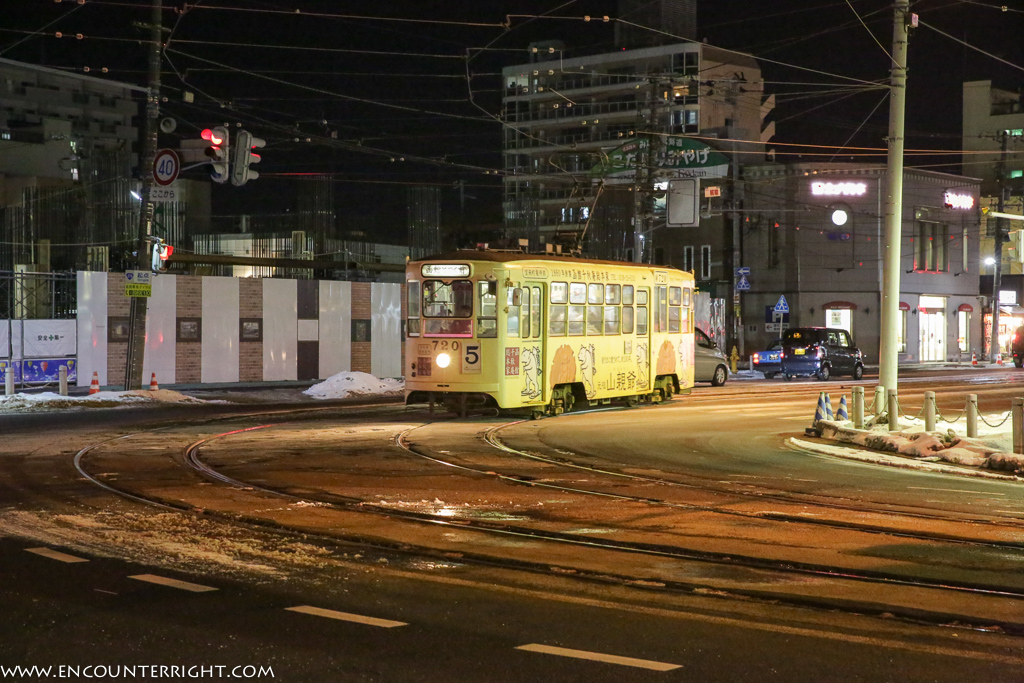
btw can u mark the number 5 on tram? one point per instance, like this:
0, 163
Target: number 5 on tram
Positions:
542, 333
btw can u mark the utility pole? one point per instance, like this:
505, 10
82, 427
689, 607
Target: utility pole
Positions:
646, 174
737, 250
888, 356
139, 305
997, 252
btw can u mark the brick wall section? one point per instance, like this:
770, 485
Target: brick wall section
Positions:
250, 354
118, 305
361, 309
188, 357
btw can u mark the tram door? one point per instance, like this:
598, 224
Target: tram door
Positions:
533, 328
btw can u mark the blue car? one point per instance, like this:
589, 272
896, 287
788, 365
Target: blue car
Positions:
769, 361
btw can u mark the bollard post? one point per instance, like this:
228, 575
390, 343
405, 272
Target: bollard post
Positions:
972, 416
9, 381
894, 412
63, 380
1018, 425
929, 411
880, 400
858, 407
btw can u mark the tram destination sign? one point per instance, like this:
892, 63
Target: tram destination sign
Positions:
445, 270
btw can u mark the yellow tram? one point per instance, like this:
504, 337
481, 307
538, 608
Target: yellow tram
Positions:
540, 333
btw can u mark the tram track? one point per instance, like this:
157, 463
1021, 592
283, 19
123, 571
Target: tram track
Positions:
191, 456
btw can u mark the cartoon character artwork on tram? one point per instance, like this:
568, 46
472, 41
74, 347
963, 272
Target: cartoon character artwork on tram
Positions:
563, 366
666, 359
531, 370
643, 367
588, 368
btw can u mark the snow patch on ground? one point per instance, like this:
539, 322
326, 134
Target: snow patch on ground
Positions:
168, 539
20, 403
992, 449
892, 460
346, 384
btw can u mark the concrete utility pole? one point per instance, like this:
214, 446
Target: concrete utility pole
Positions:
140, 305
888, 356
997, 254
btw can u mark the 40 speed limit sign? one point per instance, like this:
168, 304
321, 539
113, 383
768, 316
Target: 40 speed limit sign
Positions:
166, 166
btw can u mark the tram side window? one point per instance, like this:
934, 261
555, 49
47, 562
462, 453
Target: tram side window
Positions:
661, 309
641, 312
577, 323
687, 318
627, 320
487, 322
675, 299
512, 305
611, 319
559, 293
538, 306
595, 314
556, 312
577, 320
412, 293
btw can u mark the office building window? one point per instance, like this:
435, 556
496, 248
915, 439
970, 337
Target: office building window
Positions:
930, 251
688, 259
705, 262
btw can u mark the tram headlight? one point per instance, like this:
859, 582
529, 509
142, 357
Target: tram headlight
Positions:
443, 360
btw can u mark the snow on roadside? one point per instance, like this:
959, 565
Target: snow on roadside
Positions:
21, 403
346, 384
990, 450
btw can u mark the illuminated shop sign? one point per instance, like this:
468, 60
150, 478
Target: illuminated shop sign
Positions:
445, 270
823, 189
952, 200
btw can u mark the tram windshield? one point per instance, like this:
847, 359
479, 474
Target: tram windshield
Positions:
448, 300
448, 308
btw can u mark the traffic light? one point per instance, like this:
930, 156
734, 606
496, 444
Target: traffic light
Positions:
244, 157
219, 152
161, 253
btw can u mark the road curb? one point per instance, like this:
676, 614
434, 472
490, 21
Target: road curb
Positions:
891, 460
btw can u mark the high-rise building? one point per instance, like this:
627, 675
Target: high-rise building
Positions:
565, 118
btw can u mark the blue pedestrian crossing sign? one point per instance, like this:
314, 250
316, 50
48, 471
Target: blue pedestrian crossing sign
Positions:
782, 306
743, 284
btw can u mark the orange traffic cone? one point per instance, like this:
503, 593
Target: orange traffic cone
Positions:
999, 359
94, 387
974, 359
153, 386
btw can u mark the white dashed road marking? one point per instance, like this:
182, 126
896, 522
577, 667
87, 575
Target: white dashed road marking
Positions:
173, 583
56, 555
345, 616
599, 657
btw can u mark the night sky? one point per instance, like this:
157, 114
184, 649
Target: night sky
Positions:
383, 102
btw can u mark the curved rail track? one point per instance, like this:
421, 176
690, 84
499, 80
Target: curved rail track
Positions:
488, 438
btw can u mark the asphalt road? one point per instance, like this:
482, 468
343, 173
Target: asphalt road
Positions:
390, 621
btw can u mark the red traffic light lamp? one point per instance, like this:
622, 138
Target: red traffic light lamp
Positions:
218, 151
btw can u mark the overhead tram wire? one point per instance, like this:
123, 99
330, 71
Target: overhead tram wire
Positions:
340, 96
973, 47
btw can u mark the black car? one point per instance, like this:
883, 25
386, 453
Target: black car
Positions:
1017, 347
820, 352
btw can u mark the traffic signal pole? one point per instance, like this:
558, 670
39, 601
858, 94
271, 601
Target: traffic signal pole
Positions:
888, 355
147, 156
